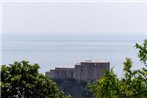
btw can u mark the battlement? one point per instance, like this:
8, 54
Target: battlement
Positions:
86, 71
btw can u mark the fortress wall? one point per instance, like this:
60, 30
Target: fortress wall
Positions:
83, 73
77, 72
98, 72
90, 72
100, 69
87, 71
69, 73
54, 74
51, 74
93, 71
63, 73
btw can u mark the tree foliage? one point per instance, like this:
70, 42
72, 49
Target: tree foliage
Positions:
132, 85
22, 80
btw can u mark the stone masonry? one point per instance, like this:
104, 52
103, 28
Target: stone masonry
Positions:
86, 71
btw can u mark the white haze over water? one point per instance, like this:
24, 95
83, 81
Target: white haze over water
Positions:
61, 34
65, 51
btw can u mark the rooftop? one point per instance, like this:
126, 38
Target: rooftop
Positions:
90, 61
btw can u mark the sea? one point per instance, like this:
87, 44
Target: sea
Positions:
64, 51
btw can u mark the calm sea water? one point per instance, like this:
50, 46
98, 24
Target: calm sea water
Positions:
50, 53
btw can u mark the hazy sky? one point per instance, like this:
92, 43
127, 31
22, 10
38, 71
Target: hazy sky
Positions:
0, 16
74, 17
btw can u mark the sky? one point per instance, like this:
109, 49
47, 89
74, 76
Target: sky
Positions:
42, 18
74, 18
0, 16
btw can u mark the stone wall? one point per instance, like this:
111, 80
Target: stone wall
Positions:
61, 73
85, 71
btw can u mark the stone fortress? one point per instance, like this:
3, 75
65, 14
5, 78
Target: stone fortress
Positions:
85, 71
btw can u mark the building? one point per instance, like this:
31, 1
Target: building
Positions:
86, 71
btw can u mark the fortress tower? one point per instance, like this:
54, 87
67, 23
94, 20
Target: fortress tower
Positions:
86, 71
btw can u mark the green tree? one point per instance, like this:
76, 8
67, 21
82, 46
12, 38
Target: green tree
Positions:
23, 80
132, 85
